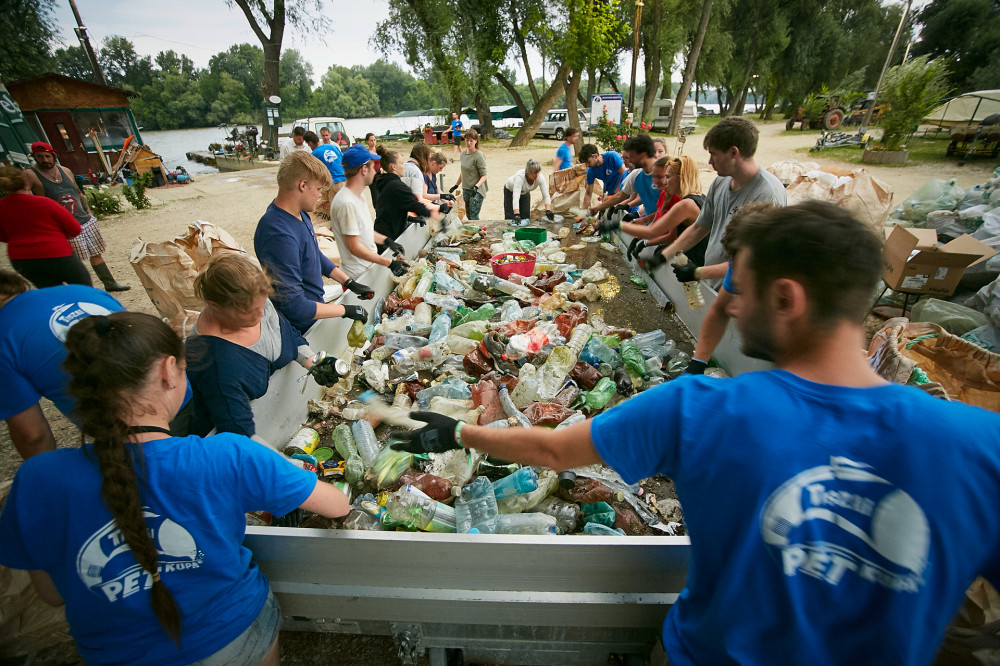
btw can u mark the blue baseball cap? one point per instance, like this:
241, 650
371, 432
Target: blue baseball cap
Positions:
357, 155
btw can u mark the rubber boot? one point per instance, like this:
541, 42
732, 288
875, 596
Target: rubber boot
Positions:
110, 284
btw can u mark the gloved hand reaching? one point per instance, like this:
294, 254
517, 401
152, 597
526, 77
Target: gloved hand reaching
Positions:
696, 367
608, 225
444, 208
419, 221
324, 369
398, 267
635, 247
363, 291
396, 248
355, 312
550, 216
437, 436
651, 264
685, 273
628, 217
447, 197
620, 208
453, 188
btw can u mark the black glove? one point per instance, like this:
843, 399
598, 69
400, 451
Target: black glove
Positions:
608, 225
419, 221
550, 215
398, 267
635, 247
628, 217
517, 219
447, 197
696, 367
475, 190
396, 248
355, 312
444, 208
649, 265
363, 291
324, 371
685, 273
437, 436
619, 208
453, 188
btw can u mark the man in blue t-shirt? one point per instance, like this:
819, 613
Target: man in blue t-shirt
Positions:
606, 167
332, 158
823, 527
456, 135
564, 155
33, 327
286, 245
640, 152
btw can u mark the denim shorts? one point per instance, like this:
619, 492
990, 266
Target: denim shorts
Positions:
252, 645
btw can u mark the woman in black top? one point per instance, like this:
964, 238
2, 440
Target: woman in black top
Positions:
396, 199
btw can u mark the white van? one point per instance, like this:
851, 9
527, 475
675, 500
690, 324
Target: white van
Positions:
664, 108
336, 126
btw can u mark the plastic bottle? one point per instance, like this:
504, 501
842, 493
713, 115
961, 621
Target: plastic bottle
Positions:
395, 325
572, 420
402, 400
433, 486
526, 344
599, 397
485, 394
356, 336
553, 374
397, 415
485, 283
422, 314
632, 358
403, 340
376, 374
417, 511
526, 391
440, 327
412, 359
596, 352
678, 364
578, 339
474, 330
446, 303
526, 523
597, 529
531, 312
424, 284
476, 507
523, 480
452, 387
483, 313
365, 440
566, 514
511, 410
459, 345
691, 289
343, 441
455, 465
545, 486
510, 311
654, 366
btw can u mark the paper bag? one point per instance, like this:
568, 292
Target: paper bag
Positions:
866, 197
967, 372
565, 189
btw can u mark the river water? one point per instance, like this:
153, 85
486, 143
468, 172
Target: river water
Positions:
173, 145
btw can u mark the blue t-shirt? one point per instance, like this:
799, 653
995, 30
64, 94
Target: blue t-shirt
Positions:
647, 193
287, 247
829, 525
330, 155
33, 328
195, 496
456, 129
564, 157
727, 282
607, 172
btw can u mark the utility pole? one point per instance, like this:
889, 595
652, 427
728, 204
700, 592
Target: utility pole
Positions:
81, 33
885, 68
635, 55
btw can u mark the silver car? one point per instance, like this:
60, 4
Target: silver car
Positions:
557, 122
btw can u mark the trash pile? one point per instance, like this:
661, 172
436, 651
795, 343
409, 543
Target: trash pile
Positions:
456, 339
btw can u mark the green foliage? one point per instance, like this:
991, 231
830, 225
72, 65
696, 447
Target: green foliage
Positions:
611, 136
344, 92
103, 202
912, 90
27, 31
136, 193
967, 32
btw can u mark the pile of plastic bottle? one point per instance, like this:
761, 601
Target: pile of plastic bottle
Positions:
454, 339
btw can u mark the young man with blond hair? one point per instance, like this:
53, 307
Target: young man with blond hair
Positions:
286, 246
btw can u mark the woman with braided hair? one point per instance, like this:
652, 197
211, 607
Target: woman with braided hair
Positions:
138, 532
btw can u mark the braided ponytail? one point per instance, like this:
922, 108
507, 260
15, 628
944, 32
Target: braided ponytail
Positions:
109, 360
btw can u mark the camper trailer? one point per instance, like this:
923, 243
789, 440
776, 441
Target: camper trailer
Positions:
664, 108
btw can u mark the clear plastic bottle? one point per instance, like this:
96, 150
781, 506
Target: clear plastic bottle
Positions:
545, 486
403, 340
474, 330
566, 513
422, 314
343, 441
365, 440
412, 359
440, 327
512, 411
596, 352
526, 391
376, 374
446, 303
647, 342
510, 311
597, 529
459, 345
424, 284
523, 480
526, 523
417, 511
397, 415
452, 387
654, 366
486, 282
398, 324
531, 312
678, 364
476, 507
579, 337
460, 410
553, 374
402, 400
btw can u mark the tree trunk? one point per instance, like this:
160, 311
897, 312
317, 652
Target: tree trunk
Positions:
747, 73
591, 84
509, 87
692, 63
270, 41
571, 106
485, 118
651, 50
530, 126
519, 38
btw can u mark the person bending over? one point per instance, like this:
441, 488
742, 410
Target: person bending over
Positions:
517, 194
285, 244
143, 530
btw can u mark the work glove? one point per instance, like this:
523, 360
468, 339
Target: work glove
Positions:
550, 216
651, 264
437, 436
628, 217
398, 267
447, 197
355, 312
419, 221
696, 367
608, 225
619, 208
444, 208
475, 190
685, 273
517, 219
635, 247
324, 369
363, 291
453, 188
396, 248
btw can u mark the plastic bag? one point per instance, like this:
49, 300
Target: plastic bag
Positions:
954, 318
987, 337
991, 225
935, 194
598, 512
987, 301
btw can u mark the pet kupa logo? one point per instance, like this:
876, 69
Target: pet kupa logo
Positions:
105, 563
841, 519
65, 316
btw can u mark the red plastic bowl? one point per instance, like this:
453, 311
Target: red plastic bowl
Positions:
525, 268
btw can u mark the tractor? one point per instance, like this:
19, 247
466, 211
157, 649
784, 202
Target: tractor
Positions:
818, 111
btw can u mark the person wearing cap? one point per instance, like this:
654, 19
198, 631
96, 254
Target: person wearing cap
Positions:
330, 155
352, 223
285, 244
57, 183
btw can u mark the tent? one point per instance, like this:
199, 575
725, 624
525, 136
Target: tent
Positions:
967, 109
497, 112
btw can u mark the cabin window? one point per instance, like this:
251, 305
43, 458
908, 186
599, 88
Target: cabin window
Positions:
65, 136
112, 127
666, 111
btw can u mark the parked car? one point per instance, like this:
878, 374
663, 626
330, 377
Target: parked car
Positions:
663, 109
557, 122
336, 125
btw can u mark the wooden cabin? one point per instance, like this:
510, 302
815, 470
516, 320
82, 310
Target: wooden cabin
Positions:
86, 123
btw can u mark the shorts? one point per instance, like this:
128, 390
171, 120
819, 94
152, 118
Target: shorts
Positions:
90, 242
252, 645
458, 140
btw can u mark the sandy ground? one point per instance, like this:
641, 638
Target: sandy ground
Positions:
235, 201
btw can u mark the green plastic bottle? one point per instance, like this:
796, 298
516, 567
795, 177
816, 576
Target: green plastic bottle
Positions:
343, 441
632, 358
484, 313
600, 395
356, 336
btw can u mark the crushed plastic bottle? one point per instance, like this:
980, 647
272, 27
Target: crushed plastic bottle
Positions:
451, 387
418, 511
440, 327
523, 480
510, 311
596, 352
433, 486
356, 335
396, 325
579, 338
476, 507
365, 440
566, 514
545, 485
600, 395
446, 303
572, 420
424, 284
403, 340
413, 359
553, 374
422, 314
526, 344
354, 467
595, 273
376, 374
526, 523
632, 358
598, 529
460, 410
459, 345
511, 410
485, 394
526, 391
474, 330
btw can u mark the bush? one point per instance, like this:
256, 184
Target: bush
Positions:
610, 136
103, 202
136, 193
912, 90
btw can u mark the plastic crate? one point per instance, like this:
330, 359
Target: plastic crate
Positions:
534, 234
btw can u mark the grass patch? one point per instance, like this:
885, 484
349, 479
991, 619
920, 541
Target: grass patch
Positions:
922, 151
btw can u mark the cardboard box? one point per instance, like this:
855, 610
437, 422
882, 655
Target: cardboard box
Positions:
914, 263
